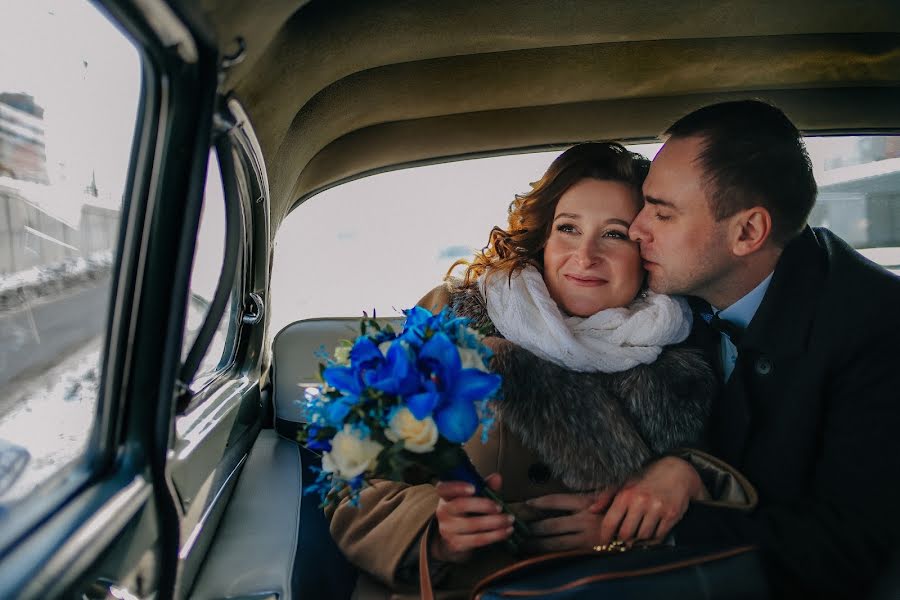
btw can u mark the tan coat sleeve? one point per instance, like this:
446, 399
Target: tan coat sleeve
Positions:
377, 535
727, 487
436, 299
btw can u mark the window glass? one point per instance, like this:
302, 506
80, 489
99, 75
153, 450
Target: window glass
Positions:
382, 242
209, 255
69, 93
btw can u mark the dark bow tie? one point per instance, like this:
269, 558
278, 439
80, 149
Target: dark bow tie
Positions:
732, 330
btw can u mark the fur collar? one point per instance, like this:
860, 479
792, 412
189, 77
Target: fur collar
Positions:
596, 430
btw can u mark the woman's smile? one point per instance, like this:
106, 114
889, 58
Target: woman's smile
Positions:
586, 280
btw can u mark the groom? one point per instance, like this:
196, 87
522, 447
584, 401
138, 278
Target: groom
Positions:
808, 349
804, 332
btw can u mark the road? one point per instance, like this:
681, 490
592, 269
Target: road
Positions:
39, 335
49, 373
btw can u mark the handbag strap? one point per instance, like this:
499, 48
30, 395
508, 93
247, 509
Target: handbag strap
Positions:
524, 566
425, 589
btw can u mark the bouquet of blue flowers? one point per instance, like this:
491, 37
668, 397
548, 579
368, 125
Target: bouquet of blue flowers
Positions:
400, 406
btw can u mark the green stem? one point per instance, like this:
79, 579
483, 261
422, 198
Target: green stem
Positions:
520, 533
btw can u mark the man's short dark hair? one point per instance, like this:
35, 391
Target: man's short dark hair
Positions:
753, 156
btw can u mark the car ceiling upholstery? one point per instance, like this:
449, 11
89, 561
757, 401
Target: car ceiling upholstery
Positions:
340, 88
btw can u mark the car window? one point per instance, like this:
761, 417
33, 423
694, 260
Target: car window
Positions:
69, 95
381, 242
209, 255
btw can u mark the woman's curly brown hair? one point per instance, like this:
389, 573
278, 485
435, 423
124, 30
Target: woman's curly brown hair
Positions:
531, 215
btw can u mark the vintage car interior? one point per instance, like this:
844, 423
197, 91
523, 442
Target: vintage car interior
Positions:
187, 481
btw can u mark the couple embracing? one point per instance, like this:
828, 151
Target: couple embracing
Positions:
684, 361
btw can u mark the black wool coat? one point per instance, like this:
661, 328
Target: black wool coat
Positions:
811, 415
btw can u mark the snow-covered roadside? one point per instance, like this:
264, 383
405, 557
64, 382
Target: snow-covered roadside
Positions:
51, 416
39, 282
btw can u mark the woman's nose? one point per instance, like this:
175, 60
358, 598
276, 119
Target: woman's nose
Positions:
586, 253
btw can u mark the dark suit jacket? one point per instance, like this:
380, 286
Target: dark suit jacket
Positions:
811, 415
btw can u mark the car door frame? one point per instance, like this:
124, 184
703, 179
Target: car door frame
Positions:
117, 500
217, 424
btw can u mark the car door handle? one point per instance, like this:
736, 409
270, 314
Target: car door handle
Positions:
255, 309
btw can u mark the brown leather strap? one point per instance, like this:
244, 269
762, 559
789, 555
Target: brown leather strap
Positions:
524, 565
425, 590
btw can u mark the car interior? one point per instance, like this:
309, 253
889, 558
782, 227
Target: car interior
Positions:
189, 482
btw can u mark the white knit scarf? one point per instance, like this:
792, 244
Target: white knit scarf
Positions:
612, 340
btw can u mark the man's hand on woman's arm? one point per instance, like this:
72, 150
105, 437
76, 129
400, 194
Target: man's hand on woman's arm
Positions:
645, 508
650, 505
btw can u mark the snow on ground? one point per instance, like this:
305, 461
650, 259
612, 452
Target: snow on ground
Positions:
46, 280
51, 416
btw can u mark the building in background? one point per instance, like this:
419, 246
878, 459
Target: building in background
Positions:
44, 225
23, 153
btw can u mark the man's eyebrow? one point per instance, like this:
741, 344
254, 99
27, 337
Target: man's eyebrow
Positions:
658, 202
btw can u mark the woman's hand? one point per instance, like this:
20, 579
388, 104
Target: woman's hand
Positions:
649, 506
577, 530
466, 521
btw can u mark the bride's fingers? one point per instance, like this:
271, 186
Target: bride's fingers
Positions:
494, 481
470, 525
448, 490
566, 502
475, 505
464, 543
584, 523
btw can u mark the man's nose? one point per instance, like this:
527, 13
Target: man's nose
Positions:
637, 232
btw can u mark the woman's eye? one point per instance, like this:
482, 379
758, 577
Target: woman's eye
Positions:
565, 228
616, 234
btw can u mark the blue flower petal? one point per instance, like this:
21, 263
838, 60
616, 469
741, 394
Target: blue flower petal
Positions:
473, 385
422, 405
442, 356
416, 317
339, 409
344, 379
457, 421
398, 375
364, 352
403, 370
321, 445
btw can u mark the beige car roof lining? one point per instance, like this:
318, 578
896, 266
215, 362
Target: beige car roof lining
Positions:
398, 144
336, 89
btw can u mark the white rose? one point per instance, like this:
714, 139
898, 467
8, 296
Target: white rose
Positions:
350, 455
342, 355
418, 436
470, 359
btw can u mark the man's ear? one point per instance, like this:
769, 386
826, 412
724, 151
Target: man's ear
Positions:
751, 229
